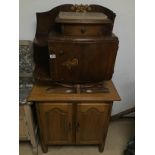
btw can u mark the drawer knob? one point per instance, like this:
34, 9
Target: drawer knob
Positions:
83, 30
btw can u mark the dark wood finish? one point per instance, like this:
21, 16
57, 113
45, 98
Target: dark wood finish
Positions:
74, 63
99, 47
73, 118
84, 24
46, 20
100, 54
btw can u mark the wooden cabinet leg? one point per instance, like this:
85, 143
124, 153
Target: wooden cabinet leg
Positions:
44, 147
31, 128
101, 147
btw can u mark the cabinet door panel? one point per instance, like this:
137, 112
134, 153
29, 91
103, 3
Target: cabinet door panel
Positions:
80, 62
56, 122
92, 122
65, 66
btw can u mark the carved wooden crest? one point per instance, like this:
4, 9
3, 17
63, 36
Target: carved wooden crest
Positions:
81, 8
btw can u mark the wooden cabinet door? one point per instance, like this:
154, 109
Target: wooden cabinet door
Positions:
82, 61
92, 122
64, 62
56, 122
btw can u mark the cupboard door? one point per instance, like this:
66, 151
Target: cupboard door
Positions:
92, 122
64, 62
56, 122
80, 62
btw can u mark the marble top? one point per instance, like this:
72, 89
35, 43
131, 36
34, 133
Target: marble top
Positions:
25, 70
85, 15
25, 58
23, 93
25, 86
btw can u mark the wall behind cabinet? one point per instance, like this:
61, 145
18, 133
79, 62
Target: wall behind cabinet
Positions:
124, 76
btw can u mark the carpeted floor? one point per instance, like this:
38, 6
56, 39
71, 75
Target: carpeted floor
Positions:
119, 134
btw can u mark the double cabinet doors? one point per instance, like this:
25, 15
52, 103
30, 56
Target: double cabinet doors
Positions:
69, 123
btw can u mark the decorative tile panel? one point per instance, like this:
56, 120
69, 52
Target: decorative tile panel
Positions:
25, 58
25, 69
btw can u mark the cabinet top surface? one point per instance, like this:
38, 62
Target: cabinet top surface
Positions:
84, 17
45, 93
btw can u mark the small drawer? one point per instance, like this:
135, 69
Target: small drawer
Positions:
86, 29
85, 24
